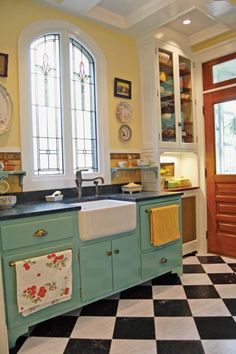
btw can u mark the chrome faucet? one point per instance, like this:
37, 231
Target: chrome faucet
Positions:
79, 180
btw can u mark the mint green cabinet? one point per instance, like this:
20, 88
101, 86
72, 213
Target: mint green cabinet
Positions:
109, 266
19, 241
157, 260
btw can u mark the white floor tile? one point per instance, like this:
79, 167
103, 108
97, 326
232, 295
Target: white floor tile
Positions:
219, 346
208, 307
94, 327
228, 259
226, 290
168, 292
121, 346
39, 345
175, 328
217, 268
195, 279
191, 260
135, 308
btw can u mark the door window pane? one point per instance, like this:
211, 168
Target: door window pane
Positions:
224, 71
225, 137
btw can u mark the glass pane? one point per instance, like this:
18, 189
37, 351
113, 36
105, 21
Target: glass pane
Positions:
224, 71
225, 137
82, 77
186, 100
46, 105
167, 96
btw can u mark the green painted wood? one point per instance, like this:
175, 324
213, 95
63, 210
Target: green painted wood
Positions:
20, 233
162, 260
126, 261
144, 220
96, 270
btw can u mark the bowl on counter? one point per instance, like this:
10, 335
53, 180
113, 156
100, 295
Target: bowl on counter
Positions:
7, 201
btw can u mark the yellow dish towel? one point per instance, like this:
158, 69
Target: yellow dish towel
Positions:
43, 281
164, 224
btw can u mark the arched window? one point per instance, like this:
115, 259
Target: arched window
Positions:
62, 106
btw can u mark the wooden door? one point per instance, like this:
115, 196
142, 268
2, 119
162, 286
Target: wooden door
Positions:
220, 143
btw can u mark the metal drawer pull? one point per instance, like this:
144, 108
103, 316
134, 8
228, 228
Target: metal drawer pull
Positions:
163, 260
40, 233
117, 251
13, 264
109, 253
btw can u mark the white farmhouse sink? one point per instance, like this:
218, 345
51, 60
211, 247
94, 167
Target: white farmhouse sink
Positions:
105, 217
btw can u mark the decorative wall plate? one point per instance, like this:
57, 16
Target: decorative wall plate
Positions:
5, 110
124, 112
125, 132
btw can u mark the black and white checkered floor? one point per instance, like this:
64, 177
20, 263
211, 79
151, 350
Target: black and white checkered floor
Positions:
193, 314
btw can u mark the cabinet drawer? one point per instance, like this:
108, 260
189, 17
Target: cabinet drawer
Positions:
35, 231
162, 260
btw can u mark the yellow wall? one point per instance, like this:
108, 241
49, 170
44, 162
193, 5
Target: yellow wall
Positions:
118, 49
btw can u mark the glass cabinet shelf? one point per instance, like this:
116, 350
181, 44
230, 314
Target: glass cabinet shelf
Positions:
21, 174
146, 168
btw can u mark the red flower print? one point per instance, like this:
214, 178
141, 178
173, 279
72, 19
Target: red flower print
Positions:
38, 274
66, 291
52, 255
26, 266
61, 257
42, 291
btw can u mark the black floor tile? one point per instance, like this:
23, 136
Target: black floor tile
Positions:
201, 292
137, 292
60, 326
171, 308
134, 328
216, 327
100, 308
222, 278
210, 259
167, 279
20, 341
232, 266
179, 347
231, 305
88, 346
193, 268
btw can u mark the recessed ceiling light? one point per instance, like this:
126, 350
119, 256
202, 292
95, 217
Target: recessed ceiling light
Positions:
187, 21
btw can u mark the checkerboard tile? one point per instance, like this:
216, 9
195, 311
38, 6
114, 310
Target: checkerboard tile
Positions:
191, 314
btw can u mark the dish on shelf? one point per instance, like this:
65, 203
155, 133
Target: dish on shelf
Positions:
164, 58
124, 112
143, 162
5, 110
122, 164
131, 187
4, 186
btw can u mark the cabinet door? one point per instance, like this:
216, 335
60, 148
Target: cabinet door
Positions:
126, 261
186, 105
189, 219
96, 270
167, 96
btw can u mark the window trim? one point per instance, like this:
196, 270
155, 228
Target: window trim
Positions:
32, 182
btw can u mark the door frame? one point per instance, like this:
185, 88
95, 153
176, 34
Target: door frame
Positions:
203, 56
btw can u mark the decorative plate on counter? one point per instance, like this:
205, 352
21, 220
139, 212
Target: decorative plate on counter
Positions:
5, 110
125, 132
124, 112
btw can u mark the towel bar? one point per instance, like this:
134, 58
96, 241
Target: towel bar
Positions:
149, 210
13, 263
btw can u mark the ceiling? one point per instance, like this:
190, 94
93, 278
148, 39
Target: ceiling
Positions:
137, 17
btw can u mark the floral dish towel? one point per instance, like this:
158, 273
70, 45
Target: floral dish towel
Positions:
43, 281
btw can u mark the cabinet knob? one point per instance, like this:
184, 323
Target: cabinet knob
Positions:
163, 260
179, 124
109, 253
40, 233
117, 251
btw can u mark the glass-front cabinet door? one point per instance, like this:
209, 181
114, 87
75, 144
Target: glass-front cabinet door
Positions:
186, 105
167, 96
176, 103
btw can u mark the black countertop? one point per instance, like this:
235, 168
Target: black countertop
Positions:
21, 210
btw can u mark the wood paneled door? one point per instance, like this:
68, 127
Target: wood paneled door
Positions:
220, 144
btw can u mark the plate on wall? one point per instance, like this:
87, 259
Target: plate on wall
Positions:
125, 132
124, 112
5, 110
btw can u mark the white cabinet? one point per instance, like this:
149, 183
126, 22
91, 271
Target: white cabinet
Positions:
175, 103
